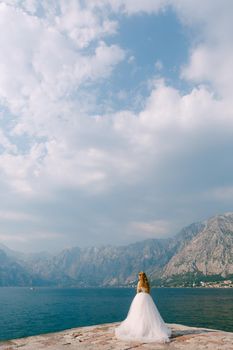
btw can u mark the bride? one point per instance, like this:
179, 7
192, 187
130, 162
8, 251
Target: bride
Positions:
143, 322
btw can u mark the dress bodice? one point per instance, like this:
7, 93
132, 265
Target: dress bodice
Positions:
142, 289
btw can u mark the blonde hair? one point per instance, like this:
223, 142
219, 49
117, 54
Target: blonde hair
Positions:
145, 283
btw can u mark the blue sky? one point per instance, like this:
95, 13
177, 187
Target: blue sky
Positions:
115, 119
155, 46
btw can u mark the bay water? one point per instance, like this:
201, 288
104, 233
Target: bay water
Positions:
25, 311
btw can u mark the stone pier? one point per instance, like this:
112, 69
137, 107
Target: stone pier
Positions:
101, 337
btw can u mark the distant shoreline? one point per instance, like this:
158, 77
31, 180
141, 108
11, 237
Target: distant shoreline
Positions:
116, 287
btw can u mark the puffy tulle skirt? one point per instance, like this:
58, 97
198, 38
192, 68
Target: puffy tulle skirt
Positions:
143, 322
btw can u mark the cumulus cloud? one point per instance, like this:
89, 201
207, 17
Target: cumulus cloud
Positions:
131, 7
83, 25
40, 71
211, 54
39, 59
146, 169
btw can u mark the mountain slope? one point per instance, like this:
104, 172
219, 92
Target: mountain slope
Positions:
106, 265
204, 248
12, 273
209, 252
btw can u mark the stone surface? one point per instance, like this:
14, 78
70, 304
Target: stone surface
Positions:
101, 337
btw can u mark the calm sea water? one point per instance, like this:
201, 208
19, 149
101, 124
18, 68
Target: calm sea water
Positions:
25, 312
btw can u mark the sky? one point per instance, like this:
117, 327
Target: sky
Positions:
116, 119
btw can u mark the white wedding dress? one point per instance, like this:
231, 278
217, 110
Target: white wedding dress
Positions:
143, 322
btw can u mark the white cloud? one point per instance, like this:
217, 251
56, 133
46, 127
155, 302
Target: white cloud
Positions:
155, 229
213, 66
7, 239
52, 68
29, 242
211, 55
39, 72
16, 216
19, 170
6, 144
135, 6
39, 57
83, 25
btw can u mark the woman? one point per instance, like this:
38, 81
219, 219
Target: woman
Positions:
143, 322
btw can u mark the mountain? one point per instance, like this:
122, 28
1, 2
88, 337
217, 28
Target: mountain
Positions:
113, 266
106, 265
13, 274
199, 251
210, 252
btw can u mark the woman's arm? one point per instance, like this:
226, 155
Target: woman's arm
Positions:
138, 287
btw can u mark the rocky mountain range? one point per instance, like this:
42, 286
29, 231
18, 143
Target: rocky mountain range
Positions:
209, 252
198, 251
13, 273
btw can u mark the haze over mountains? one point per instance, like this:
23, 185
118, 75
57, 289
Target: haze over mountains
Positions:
200, 250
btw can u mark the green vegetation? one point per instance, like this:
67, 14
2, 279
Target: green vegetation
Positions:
190, 279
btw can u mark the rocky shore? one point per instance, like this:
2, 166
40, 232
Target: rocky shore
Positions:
101, 337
